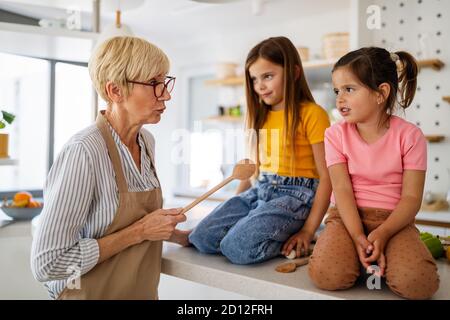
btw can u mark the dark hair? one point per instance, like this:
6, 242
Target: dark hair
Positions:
280, 51
374, 66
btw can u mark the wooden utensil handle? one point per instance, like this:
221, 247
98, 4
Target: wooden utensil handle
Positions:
207, 194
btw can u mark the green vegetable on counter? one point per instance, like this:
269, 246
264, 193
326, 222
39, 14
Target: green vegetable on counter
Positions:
433, 244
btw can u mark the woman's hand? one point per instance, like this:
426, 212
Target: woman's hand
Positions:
379, 239
300, 241
159, 224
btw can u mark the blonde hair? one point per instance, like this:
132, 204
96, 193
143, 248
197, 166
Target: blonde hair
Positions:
125, 58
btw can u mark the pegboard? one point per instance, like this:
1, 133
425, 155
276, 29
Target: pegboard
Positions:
422, 27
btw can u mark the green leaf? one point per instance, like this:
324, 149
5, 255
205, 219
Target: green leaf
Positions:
2, 124
8, 117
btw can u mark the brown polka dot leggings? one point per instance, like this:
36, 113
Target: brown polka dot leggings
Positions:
410, 272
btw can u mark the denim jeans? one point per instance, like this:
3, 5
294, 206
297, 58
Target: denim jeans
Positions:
253, 226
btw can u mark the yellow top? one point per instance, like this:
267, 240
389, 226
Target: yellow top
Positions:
275, 154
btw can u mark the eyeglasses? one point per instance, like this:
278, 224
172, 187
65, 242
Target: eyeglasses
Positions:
159, 87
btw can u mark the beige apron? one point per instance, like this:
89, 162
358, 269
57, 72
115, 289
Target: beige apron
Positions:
134, 272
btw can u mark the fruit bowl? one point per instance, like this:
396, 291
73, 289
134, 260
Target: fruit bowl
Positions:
22, 213
22, 206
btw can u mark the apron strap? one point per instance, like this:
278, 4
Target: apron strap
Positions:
113, 153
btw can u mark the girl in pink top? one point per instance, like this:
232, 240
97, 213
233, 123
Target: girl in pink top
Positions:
377, 164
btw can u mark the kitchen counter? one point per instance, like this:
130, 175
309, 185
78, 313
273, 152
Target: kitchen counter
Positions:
261, 281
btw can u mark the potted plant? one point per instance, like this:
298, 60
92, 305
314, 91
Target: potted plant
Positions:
5, 118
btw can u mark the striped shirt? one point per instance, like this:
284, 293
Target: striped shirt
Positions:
81, 198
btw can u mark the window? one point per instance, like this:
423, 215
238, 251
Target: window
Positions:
73, 101
52, 101
24, 87
214, 144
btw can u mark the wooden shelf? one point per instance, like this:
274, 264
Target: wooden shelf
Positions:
240, 80
7, 162
312, 65
447, 99
435, 64
230, 119
434, 138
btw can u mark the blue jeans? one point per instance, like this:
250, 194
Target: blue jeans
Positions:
253, 226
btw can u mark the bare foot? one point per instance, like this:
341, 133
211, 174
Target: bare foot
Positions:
180, 237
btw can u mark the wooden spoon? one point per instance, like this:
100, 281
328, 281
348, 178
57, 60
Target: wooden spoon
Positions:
243, 170
292, 266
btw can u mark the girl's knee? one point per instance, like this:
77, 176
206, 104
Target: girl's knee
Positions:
414, 283
242, 249
237, 250
234, 252
331, 276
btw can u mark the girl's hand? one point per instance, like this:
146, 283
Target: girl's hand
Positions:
379, 239
364, 249
381, 261
300, 241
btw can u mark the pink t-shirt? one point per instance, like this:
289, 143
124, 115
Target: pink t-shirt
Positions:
376, 169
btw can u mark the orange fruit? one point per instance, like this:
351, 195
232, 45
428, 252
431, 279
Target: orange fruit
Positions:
22, 196
21, 199
33, 204
20, 203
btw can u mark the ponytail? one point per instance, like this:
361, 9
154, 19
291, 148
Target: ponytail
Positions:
407, 78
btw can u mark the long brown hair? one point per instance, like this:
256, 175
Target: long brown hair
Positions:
374, 66
280, 51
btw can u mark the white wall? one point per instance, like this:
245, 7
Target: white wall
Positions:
402, 23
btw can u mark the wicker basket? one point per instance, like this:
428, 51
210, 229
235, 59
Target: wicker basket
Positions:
304, 53
335, 45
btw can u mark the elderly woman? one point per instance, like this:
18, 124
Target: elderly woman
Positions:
100, 233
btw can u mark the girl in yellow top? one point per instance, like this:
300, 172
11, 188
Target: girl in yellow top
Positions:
260, 222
